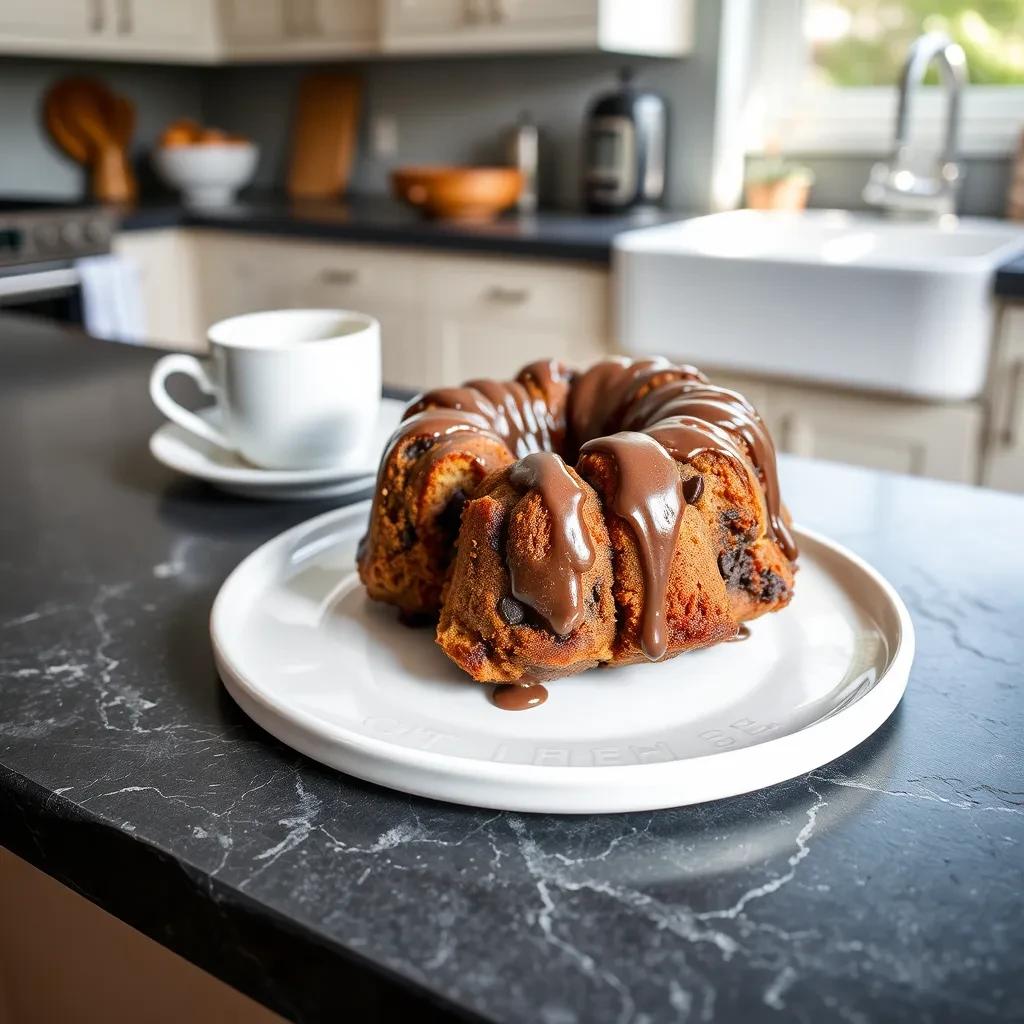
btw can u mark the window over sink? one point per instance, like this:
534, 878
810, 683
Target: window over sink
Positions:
826, 74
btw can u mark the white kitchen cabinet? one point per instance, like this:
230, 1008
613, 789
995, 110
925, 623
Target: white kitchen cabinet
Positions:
446, 318
165, 264
654, 27
151, 28
388, 285
24, 23
1004, 440
252, 22
224, 31
292, 29
443, 318
489, 317
941, 440
182, 31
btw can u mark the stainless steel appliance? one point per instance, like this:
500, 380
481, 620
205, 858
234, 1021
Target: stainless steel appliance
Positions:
624, 149
522, 146
40, 240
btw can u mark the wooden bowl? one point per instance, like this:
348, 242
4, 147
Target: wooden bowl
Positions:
474, 194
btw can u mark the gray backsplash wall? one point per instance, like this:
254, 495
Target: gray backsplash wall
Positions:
450, 110
31, 164
453, 110
840, 179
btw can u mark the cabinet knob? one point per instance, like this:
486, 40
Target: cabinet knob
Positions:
338, 276
509, 296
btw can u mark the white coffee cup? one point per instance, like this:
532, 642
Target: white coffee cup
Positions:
296, 388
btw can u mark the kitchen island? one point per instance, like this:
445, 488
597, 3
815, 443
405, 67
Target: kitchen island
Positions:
886, 885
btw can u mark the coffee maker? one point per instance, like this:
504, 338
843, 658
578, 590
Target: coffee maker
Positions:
624, 149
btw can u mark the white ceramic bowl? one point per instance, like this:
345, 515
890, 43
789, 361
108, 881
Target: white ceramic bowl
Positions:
210, 174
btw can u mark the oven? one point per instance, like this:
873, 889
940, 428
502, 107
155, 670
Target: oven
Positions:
50, 290
40, 242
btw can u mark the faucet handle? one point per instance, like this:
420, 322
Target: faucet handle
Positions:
876, 189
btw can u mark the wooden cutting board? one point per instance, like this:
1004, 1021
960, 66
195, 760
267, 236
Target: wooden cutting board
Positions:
94, 126
324, 135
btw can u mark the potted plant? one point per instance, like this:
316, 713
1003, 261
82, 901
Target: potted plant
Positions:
773, 183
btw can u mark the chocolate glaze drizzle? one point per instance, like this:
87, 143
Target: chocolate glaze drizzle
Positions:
649, 494
736, 417
513, 410
647, 415
519, 697
552, 586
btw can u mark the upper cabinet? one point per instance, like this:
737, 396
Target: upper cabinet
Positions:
297, 29
655, 27
26, 24
182, 31
226, 31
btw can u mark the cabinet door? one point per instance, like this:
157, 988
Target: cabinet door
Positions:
439, 26
347, 21
388, 285
936, 440
431, 17
253, 21
165, 27
1004, 442
489, 317
51, 20
165, 266
240, 274
270, 29
542, 14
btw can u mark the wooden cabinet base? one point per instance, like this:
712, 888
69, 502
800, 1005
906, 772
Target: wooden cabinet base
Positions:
64, 959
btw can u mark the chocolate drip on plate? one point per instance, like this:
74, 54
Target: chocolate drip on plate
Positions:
517, 697
553, 585
743, 633
649, 495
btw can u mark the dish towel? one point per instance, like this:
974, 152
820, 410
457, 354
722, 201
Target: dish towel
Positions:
112, 298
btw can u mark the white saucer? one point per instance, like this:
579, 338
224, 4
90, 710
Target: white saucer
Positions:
310, 658
180, 450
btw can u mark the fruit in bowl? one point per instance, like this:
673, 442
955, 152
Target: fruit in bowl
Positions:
208, 165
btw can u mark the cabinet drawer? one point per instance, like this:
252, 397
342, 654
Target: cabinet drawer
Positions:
343, 275
508, 292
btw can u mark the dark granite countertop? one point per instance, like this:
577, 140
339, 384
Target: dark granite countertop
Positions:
549, 234
1010, 280
378, 219
885, 886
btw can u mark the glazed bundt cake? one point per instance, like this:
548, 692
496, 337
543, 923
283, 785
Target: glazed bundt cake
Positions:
565, 520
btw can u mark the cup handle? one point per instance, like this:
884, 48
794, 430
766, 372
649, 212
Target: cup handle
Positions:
179, 362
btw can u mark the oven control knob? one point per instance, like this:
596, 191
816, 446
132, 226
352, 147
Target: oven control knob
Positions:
71, 234
97, 232
46, 236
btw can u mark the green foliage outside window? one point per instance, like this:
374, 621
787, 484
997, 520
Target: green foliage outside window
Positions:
864, 42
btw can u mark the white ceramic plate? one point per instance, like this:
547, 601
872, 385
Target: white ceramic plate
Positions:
310, 658
180, 450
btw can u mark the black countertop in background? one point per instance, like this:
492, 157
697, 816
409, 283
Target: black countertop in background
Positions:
885, 886
378, 219
1010, 280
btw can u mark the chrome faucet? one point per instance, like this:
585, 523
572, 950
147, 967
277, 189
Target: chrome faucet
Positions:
896, 186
